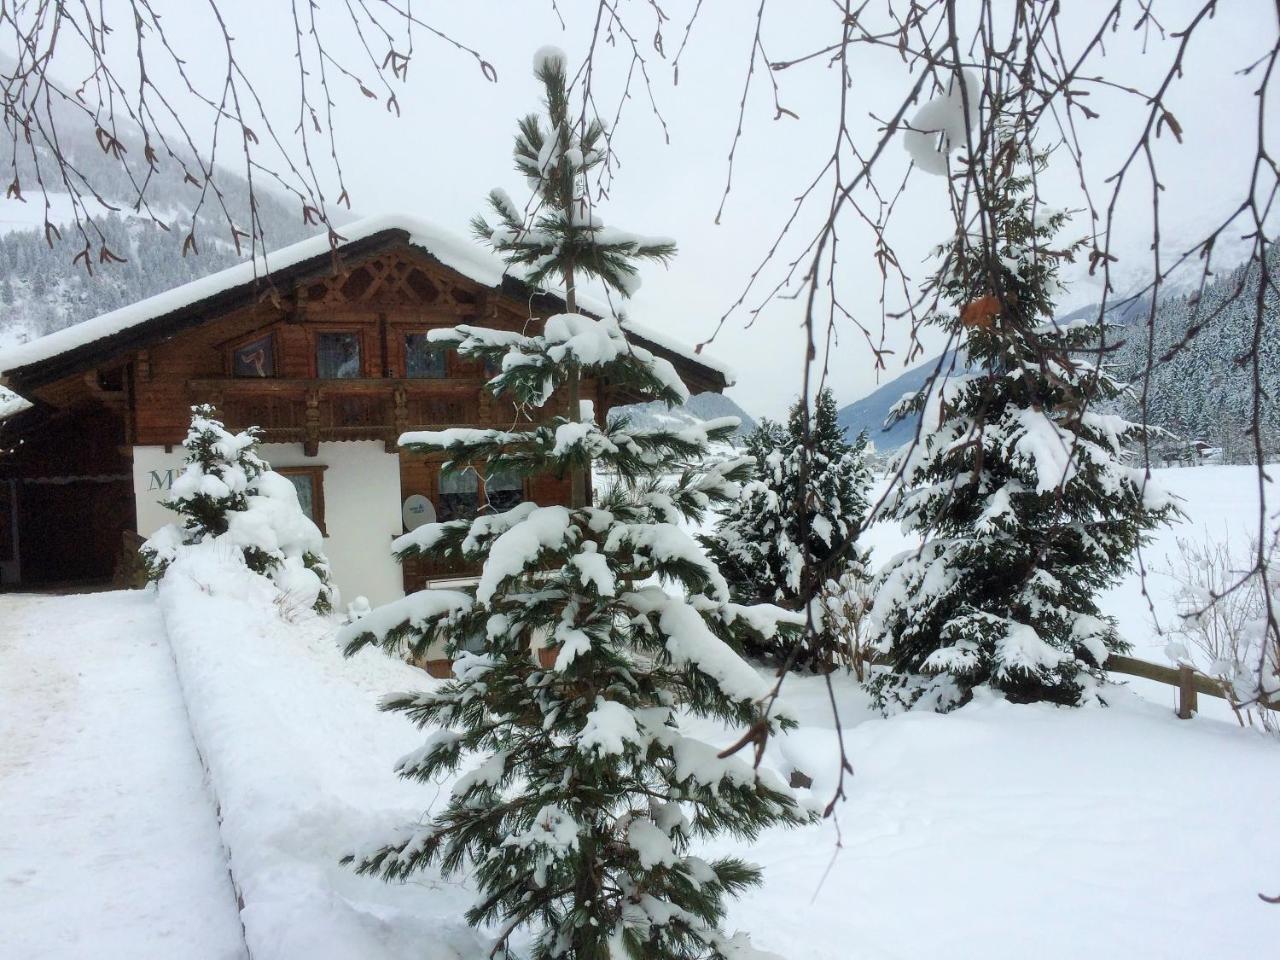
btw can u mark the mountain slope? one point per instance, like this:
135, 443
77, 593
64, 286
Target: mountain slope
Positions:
1202, 392
871, 412
43, 288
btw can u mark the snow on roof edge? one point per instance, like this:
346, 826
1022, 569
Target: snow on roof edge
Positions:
662, 340
11, 404
447, 247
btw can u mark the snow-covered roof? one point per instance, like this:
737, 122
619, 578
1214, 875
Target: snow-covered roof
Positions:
450, 249
11, 403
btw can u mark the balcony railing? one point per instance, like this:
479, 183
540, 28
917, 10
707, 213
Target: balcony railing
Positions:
312, 411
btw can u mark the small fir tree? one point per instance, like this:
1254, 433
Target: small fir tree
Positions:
562, 240
1018, 484
791, 534
583, 792
229, 494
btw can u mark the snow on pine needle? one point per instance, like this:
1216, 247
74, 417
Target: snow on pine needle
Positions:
229, 497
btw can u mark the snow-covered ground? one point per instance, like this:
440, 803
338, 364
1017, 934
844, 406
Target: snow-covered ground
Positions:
995, 832
109, 843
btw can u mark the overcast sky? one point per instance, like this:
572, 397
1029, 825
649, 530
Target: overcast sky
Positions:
452, 144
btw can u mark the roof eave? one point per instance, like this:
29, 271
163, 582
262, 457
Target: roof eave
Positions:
103, 351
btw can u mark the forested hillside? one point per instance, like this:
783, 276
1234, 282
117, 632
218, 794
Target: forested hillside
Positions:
1201, 391
44, 288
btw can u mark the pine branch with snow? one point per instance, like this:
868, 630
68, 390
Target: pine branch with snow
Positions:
561, 234
559, 240
1023, 491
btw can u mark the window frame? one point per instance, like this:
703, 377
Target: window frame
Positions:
523, 487
269, 334
316, 473
354, 331
403, 335
476, 493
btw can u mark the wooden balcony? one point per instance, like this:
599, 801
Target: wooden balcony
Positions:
312, 411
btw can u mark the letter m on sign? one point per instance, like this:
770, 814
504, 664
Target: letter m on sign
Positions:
160, 481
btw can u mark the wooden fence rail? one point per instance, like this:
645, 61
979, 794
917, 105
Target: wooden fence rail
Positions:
1189, 681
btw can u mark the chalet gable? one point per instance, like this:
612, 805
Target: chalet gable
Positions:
380, 261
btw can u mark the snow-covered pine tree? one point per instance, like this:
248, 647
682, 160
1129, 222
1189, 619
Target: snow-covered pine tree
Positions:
561, 239
793, 527
228, 494
1019, 486
582, 792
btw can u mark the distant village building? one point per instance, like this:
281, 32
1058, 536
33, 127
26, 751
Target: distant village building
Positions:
326, 351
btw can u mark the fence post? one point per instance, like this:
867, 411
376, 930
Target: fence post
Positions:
1188, 701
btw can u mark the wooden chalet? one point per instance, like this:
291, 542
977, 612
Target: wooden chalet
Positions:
326, 351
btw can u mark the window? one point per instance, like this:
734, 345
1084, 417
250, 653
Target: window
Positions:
423, 358
309, 484
504, 491
338, 356
458, 493
257, 358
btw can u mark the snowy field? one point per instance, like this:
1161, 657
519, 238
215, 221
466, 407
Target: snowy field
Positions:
996, 832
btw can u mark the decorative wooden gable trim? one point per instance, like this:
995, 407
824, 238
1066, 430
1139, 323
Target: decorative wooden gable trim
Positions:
394, 280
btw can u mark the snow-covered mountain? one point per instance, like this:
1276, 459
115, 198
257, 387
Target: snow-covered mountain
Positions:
1202, 393
43, 288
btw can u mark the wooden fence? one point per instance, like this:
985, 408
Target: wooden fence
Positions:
1189, 681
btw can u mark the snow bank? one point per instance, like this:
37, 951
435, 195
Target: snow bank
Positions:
1003, 831
301, 763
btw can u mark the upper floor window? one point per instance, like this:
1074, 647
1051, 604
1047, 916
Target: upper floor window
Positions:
257, 358
423, 358
458, 494
503, 491
338, 356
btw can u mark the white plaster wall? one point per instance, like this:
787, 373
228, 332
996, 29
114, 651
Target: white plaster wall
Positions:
361, 498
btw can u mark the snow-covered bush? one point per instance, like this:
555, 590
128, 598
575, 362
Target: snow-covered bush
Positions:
583, 792
1020, 487
1223, 603
792, 529
845, 602
228, 495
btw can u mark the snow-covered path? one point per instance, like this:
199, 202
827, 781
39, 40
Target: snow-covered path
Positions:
106, 850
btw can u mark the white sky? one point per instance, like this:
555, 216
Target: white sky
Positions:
453, 140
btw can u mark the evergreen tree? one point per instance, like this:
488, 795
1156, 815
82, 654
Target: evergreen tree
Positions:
562, 239
793, 527
583, 792
228, 493
1019, 485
